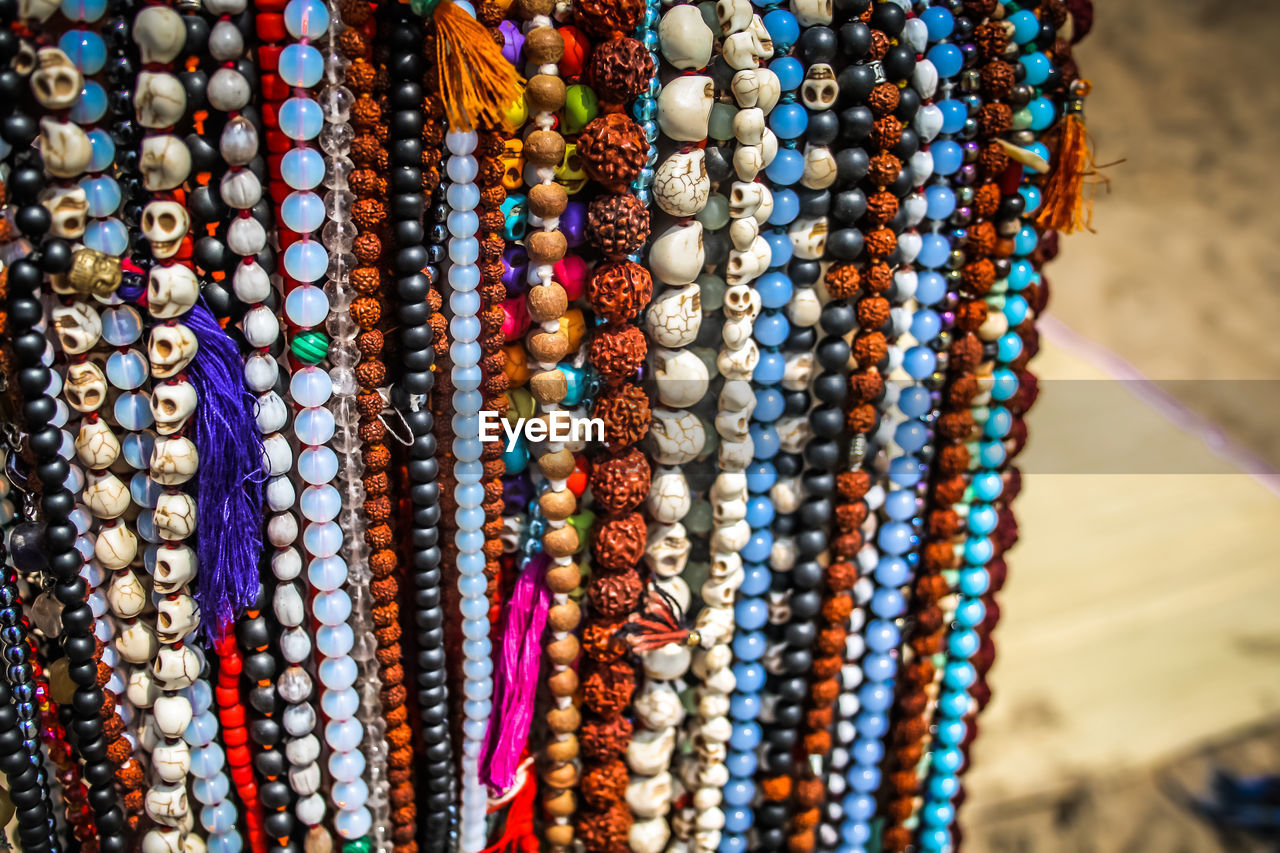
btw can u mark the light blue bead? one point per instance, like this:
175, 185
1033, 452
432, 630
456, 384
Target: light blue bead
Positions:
970, 612
1031, 195
745, 735
950, 760
947, 58
888, 603
939, 23
882, 635
331, 608
767, 442
218, 818
900, 505
864, 779
1008, 347
136, 449
787, 167
751, 614
974, 581
463, 196
301, 66
948, 156
1042, 110
868, 751
108, 236
769, 405
472, 585
318, 465
322, 540
771, 329
771, 368
103, 195
133, 412
1042, 150
757, 578
748, 645
1016, 309
741, 764
86, 50
954, 114
911, 436
302, 168
84, 10
1038, 68
301, 118
471, 519
931, 286
879, 667
875, 696
896, 538
306, 260
92, 104
744, 706
943, 786
464, 250
786, 204
739, 792
750, 676
760, 477
780, 248
959, 675
982, 519
855, 833
936, 838
978, 550
987, 486
872, 725
464, 329
790, 72
998, 423
103, 148
905, 471
962, 644
463, 223
934, 251
789, 121
1025, 26
327, 573
915, 401
738, 820
212, 790
121, 325
941, 201
478, 649
774, 288
303, 211
306, 18
760, 512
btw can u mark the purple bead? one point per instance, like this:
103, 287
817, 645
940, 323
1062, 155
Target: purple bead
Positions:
516, 492
971, 151
573, 223
512, 41
948, 319
515, 266
967, 176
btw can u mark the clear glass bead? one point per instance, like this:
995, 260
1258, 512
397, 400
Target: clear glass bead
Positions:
339, 235
336, 102
336, 139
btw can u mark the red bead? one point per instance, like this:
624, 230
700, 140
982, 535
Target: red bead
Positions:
235, 737
226, 697
577, 481
273, 88
270, 29
232, 717
577, 49
238, 757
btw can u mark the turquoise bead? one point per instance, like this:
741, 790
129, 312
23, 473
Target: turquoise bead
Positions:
301, 118
1042, 113
1005, 384
974, 582
514, 224
1025, 26
1037, 67
84, 10
1026, 241
302, 168
1016, 309
301, 65
987, 486
516, 459
575, 381
1008, 347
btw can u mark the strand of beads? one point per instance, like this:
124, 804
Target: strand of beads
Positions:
210, 784
25, 181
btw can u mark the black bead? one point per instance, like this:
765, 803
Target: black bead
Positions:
19, 130
795, 402
807, 574
838, 318
856, 83
406, 206
852, 165
407, 96
815, 513
833, 353
408, 232
271, 763
719, 164
855, 41
889, 18
278, 824
830, 388
827, 421
102, 798
195, 84
77, 619
55, 257
406, 124
824, 127
814, 202
33, 220
846, 244
908, 104
818, 44
81, 648
802, 338
804, 273
805, 604
907, 146
274, 795
811, 543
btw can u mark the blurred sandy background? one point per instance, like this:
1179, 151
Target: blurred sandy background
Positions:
1139, 645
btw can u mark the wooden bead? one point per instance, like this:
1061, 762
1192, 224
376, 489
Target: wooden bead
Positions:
563, 750
559, 834
556, 466
563, 652
547, 347
544, 148
545, 247
543, 45
549, 386
563, 683
561, 543
548, 200
544, 94
564, 719
562, 804
546, 302
558, 506
563, 580
561, 776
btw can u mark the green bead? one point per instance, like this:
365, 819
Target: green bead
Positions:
520, 404
580, 107
721, 124
582, 524
423, 8
359, 845
709, 16
310, 347
716, 214
711, 290
1022, 119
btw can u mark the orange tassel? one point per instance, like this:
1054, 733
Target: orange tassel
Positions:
1064, 207
477, 83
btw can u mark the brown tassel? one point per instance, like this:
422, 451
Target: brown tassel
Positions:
1064, 207
477, 83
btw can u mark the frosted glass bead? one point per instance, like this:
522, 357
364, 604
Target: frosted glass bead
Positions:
340, 704
353, 824
230, 842
200, 695
261, 372
127, 369
102, 145
477, 668
465, 302
280, 493
103, 195
201, 732
335, 641
460, 142
468, 472
306, 261
469, 495
144, 491
472, 586
336, 101
470, 563
463, 196
467, 450
300, 119
211, 790
469, 540
467, 380
133, 411
465, 329
322, 540
338, 674
351, 795
208, 759
463, 223
317, 465
260, 327
475, 629
477, 649
136, 449
465, 425
218, 818
321, 503
301, 66
306, 19
474, 608
474, 731
331, 608
463, 278
477, 708
310, 387
314, 426
303, 211
327, 573
109, 236
465, 353
302, 168
121, 325
464, 250
346, 766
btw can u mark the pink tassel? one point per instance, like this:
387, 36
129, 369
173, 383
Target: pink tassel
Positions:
516, 682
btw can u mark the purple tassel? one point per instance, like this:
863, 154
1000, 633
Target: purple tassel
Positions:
517, 678
229, 480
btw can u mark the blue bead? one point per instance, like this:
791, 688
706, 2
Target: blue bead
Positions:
301, 65
895, 538
905, 471
741, 764
86, 50
746, 735
915, 401
868, 751
780, 248
133, 412
892, 571
104, 150
787, 167
911, 435
760, 512
939, 23
760, 477
900, 505
789, 121
941, 201
1008, 347
84, 10
875, 696
948, 156
748, 645
859, 807
974, 581
302, 168
517, 458
931, 287
750, 676
744, 706
970, 612
947, 58
790, 72
738, 820
879, 667
925, 325
1031, 195
774, 288
301, 118
783, 28
1042, 111
882, 635
888, 603
92, 104
757, 578
751, 613
1037, 66
771, 367
954, 114
1025, 26
864, 779
771, 329
943, 786
767, 442
103, 195
730, 840
962, 644
769, 405
855, 834
934, 251
108, 236
987, 486
786, 204
1021, 274
306, 18
998, 423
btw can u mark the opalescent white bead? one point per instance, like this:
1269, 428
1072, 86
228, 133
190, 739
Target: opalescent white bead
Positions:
335, 640
331, 608
307, 306
354, 823
462, 168
311, 387
327, 573
461, 141
350, 795
346, 766
320, 503
314, 426
317, 465
340, 705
